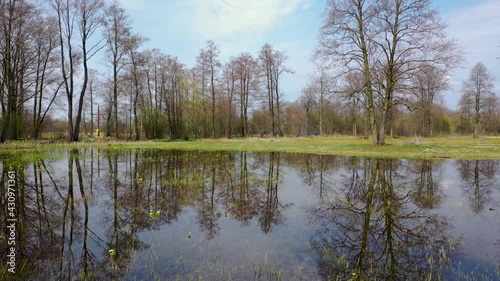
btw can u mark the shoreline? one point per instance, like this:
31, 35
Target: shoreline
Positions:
409, 148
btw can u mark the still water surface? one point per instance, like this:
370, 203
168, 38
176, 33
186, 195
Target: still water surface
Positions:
171, 215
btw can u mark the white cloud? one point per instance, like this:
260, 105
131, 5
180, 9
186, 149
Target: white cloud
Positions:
131, 4
221, 18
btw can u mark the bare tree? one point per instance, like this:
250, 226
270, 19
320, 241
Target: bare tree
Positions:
229, 84
266, 65
385, 41
476, 89
86, 15
352, 90
16, 29
137, 73
246, 73
308, 101
172, 73
117, 33
279, 68
491, 115
94, 88
322, 85
201, 73
272, 64
210, 65
426, 86
45, 66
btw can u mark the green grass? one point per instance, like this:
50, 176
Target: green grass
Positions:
414, 148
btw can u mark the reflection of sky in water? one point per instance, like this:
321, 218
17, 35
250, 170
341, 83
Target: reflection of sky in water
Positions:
480, 232
239, 249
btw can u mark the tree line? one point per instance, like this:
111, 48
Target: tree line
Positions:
382, 69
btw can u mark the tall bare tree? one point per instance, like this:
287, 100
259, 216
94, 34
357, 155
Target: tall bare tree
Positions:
16, 30
210, 66
385, 41
491, 115
476, 89
246, 73
137, 73
45, 69
322, 85
117, 31
353, 91
266, 65
94, 86
272, 64
229, 85
426, 86
172, 73
83, 17
279, 68
308, 101
201, 73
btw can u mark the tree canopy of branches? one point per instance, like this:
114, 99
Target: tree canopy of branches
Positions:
476, 91
384, 41
82, 18
272, 64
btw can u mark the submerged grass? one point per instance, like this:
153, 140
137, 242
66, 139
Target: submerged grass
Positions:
413, 148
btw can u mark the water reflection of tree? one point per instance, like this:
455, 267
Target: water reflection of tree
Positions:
216, 184
60, 232
371, 231
53, 221
241, 196
478, 178
271, 210
123, 227
316, 171
37, 212
427, 193
207, 213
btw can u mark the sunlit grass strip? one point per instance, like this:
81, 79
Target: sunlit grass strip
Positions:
413, 148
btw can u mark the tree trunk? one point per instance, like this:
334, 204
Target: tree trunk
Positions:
91, 111
115, 97
136, 121
70, 117
280, 130
213, 102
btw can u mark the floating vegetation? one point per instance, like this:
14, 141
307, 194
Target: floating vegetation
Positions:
111, 252
153, 214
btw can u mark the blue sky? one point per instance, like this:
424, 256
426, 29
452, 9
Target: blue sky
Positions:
181, 27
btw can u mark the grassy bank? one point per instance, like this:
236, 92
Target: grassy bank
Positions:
457, 148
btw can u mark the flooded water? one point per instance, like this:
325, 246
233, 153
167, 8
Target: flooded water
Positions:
170, 215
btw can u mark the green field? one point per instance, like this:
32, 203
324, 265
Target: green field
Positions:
414, 148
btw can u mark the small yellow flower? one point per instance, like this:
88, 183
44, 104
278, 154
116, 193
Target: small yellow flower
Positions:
112, 252
157, 213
